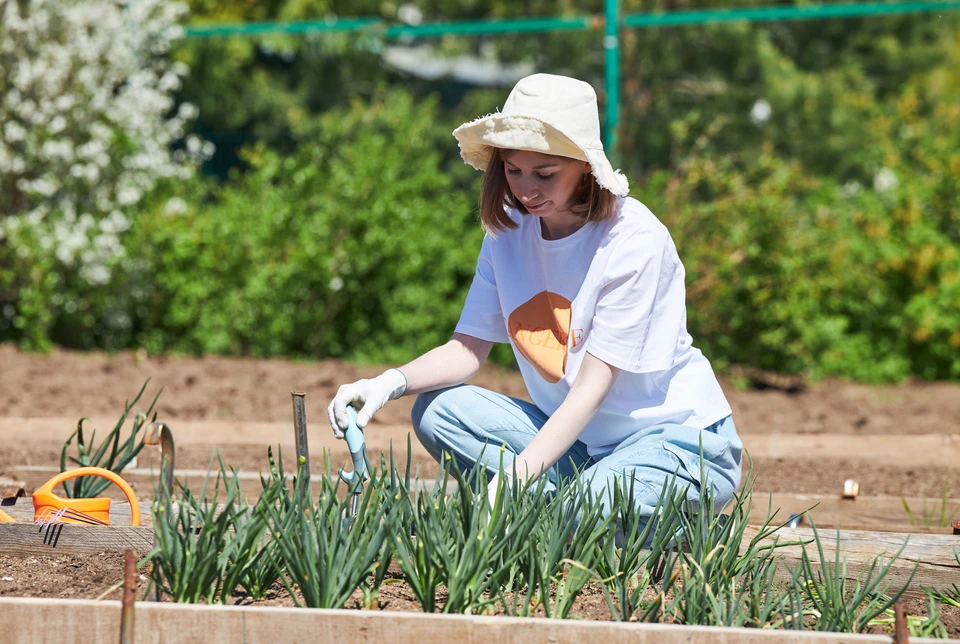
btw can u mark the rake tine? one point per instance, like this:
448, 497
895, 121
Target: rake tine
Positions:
50, 516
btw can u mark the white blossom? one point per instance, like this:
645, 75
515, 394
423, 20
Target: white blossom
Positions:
127, 196
188, 111
760, 112
885, 180
13, 132
852, 188
410, 14
175, 206
96, 274
194, 144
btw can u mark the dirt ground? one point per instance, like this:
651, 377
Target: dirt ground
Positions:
66, 384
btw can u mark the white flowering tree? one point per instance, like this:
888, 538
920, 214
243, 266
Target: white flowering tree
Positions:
86, 128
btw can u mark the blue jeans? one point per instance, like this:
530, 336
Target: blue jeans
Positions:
472, 424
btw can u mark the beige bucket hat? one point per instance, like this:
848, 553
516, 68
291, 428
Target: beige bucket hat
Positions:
544, 113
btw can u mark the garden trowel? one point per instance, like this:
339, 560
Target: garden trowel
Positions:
358, 451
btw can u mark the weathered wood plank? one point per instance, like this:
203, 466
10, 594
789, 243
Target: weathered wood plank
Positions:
880, 513
827, 520
21, 539
22, 512
933, 555
29, 621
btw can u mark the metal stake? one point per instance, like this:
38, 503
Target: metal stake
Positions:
901, 633
129, 593
300, 435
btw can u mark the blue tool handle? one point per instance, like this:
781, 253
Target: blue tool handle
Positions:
358, 450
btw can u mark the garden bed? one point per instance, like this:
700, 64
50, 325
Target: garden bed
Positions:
316, 557
888, 459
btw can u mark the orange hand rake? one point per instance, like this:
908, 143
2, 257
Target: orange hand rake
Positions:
50, 508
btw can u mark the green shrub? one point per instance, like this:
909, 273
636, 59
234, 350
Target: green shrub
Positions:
356, 245
794, 273
362, 242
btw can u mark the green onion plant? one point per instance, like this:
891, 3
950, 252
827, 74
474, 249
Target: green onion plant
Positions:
837, 603
456, 541
254, 562
929, 626
951, 596
111, 454
327, 553
938, 516
727, 580
628, 569
565, 548
195, 539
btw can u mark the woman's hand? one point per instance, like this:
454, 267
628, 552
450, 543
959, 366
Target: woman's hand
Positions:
368, 396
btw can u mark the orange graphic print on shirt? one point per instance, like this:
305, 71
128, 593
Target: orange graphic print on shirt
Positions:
540, 328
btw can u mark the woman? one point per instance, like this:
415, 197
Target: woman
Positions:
586, 285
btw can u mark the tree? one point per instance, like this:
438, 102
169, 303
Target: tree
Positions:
86, 97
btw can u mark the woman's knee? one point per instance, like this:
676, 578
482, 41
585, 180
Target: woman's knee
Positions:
433, 412
424, 415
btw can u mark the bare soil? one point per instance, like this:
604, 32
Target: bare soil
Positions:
66, 383
70, 384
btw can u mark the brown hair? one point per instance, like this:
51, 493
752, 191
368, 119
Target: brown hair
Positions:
590, 201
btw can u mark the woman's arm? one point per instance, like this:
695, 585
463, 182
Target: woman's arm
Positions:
563, 428
450, 364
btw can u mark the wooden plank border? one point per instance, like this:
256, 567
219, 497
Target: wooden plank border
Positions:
933, 555
24, 539
49, 621
879, 513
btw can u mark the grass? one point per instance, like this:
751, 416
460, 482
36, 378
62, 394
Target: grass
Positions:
936, 516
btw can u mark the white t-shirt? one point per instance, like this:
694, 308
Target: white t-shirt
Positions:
613, 288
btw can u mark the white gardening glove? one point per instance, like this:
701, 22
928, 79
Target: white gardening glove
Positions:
366, 396
492, 487
492, 492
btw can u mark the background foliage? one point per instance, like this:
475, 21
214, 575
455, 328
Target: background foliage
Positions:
807, 170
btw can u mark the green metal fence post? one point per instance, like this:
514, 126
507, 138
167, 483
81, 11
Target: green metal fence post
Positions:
611, 43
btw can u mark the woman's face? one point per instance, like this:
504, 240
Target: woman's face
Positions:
544, 184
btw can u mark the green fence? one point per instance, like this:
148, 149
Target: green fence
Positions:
610, 22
